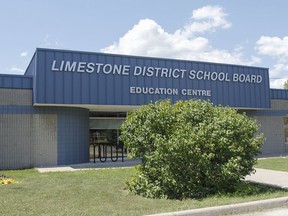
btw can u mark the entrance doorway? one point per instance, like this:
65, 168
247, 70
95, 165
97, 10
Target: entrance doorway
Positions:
104, 137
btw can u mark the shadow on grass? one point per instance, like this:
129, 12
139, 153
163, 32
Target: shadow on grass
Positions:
245, 189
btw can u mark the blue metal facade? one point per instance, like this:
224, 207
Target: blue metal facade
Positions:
279, 94
77, 78
73, 135
16, 81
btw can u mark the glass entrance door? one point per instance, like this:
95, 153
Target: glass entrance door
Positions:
104, 139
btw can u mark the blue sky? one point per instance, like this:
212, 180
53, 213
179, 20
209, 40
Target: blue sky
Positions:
227, 31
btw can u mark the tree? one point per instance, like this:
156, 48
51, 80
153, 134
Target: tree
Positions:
286, 84
190, 149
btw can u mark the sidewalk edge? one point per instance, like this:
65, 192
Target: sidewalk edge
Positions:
232, 208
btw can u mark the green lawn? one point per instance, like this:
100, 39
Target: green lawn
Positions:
280, 164
97, 192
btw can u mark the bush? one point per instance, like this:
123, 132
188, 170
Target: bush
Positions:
190, 149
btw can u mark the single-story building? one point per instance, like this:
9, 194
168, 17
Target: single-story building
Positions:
49, 115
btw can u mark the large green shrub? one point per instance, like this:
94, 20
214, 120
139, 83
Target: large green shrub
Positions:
190, 149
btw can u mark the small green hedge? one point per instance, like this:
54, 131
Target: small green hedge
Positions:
190, 149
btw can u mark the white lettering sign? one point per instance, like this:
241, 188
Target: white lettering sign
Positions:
169, 91
90, 67
145, 71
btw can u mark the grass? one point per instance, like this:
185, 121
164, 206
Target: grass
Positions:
279, 163
98, 192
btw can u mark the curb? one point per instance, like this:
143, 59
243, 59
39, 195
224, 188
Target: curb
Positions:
231, 209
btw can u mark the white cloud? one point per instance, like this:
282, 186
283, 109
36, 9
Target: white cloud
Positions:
207, 18
51, 42
278, 83
273, 46
16, 70
147, 38
277, 48
23, 54
278, 69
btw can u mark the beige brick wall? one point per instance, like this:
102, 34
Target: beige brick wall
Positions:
44, 140
273, 129
27, 140
15, 96
15, 141
279, 104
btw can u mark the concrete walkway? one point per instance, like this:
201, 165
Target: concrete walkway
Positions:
271, 212
233, 209
88, 166
270, 177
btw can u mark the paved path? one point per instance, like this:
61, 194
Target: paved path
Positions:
87, 166
270, 177
233, 209
270, 212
